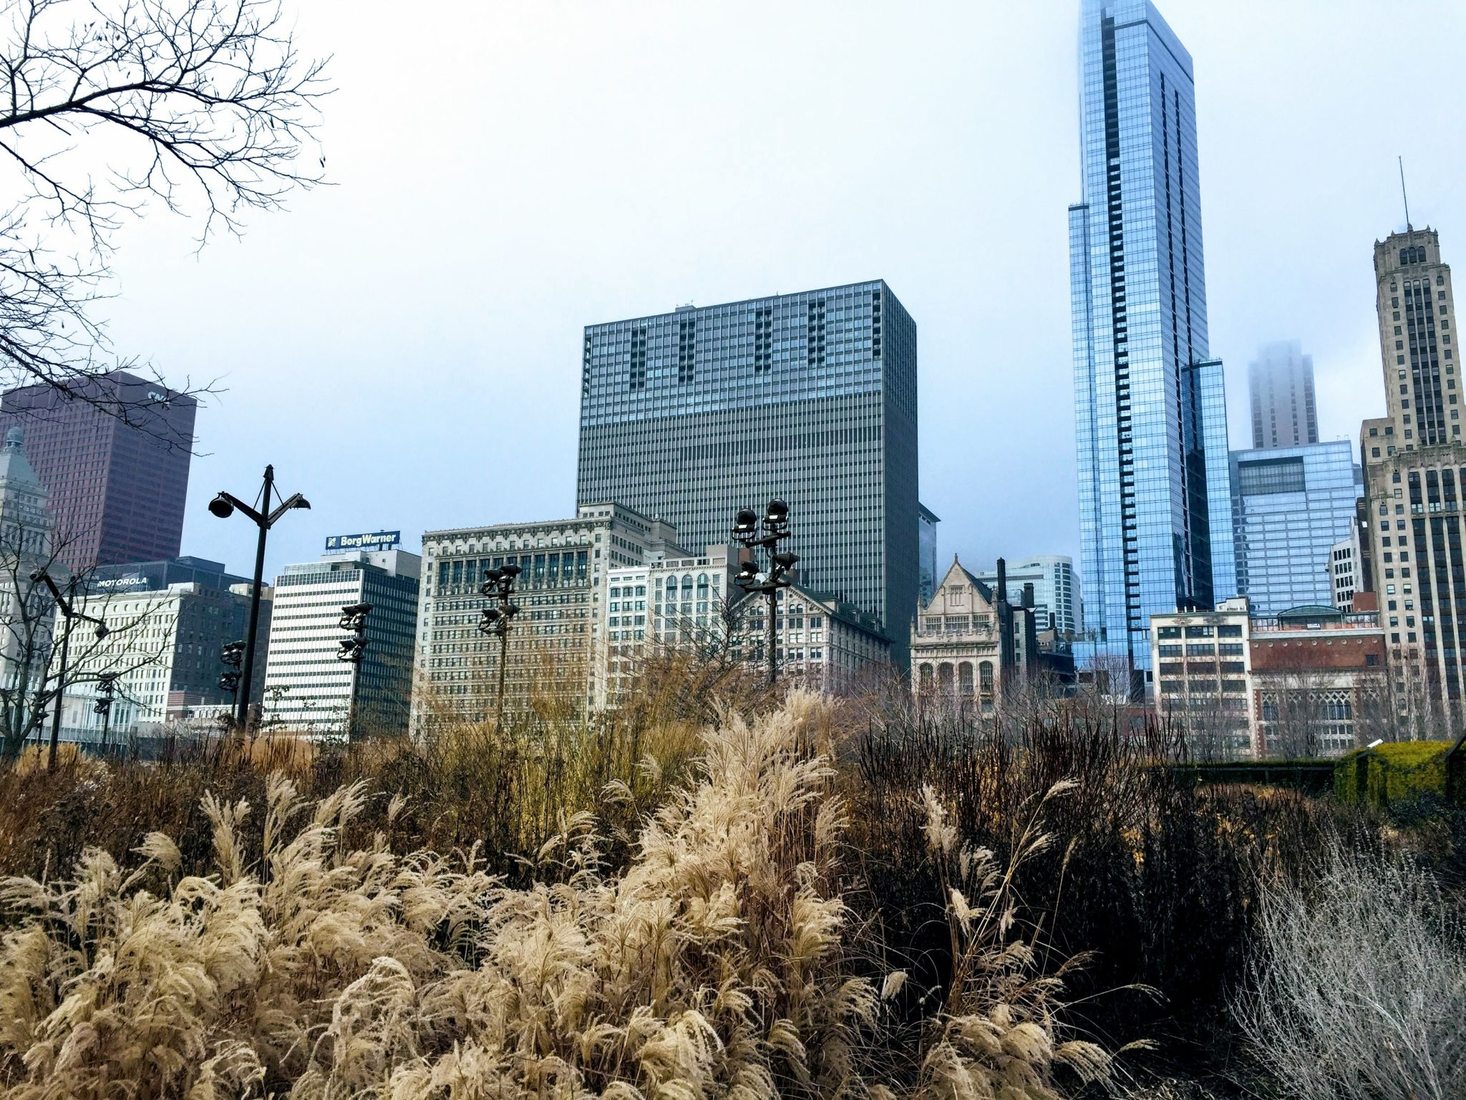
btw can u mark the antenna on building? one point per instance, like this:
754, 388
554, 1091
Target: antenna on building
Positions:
1403, 194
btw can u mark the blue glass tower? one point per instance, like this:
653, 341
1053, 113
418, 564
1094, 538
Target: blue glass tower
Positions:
1291, 504
1150, 406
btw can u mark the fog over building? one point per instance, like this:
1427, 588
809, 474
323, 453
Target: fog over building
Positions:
1280, 389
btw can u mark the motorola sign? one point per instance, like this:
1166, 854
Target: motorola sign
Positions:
373, 540
126, 582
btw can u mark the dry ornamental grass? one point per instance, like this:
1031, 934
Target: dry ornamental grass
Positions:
721, 961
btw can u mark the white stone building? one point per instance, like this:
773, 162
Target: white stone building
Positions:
26, 530
308, 688
1203, 677
825, 643
674, 601
968, 643
690, 603
557, 638
163, 644
1344, 567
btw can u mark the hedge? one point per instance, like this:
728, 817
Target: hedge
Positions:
1309, 776
1399, 774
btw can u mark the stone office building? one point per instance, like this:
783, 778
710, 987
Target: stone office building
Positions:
808, 397
557, 634
308, 689
169, 622
1415, 483
1304, 683
969, 644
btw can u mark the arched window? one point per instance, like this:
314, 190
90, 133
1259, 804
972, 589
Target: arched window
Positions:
985, 681
702, 586
925, 674
964, 678
944, 678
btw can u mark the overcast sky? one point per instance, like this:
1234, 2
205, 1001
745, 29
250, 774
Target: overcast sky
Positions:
404, 346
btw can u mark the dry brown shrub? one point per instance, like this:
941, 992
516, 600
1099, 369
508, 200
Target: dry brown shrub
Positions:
35, 758
721, 962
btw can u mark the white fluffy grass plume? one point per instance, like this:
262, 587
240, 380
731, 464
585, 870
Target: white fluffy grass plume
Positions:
718, 964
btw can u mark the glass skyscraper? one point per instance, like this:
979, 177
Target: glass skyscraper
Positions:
1290, 505
691, 415
1150, 405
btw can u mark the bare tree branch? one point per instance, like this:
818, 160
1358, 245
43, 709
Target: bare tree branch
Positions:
203, 106
30, 679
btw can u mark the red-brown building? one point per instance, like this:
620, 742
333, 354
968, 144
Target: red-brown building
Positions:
1318, 682
114, 459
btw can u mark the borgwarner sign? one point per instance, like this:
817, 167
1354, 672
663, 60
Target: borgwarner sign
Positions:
374, 540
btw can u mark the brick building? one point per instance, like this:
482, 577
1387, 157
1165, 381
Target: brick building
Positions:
1318, 682
1308, 682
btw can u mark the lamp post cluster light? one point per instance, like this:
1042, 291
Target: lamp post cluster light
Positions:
749, 534
225, 505
495, 621
231, 656
353, 618
107, 686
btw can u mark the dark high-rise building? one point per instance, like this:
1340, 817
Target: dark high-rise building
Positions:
114, 459
689, 416
1149, 401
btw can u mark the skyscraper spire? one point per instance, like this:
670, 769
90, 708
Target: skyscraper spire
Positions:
1403, 194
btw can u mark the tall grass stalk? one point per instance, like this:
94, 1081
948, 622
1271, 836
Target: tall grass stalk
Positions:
721, 961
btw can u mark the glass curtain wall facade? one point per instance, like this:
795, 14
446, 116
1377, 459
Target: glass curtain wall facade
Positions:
1149, 401
691, 415
1290, 506
926, 540
117, 485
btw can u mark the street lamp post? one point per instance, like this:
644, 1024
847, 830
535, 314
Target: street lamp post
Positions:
775, 529
69, 613
495, 621
107, 685
352, 648
224, 506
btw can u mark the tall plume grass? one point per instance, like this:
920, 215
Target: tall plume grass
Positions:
505, 788
1155, 879
721, 959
